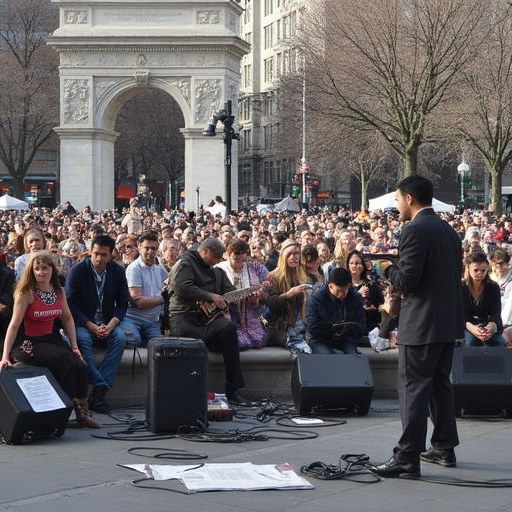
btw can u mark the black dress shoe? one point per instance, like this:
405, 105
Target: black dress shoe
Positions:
235, 399
396, 469
444, 458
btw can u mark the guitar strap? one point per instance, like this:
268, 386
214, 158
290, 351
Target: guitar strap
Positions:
218, 279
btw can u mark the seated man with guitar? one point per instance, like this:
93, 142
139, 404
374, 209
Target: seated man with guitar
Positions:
197, 309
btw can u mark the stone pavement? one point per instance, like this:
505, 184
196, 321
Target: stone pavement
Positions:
79, 473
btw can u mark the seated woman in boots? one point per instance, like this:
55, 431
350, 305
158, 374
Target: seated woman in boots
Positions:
39, 300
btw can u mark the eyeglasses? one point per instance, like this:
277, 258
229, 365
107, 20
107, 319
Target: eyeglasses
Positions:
239, 253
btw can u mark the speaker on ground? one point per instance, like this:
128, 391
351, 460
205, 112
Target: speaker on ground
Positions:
482, 380
178, 384
332, 381
32, 405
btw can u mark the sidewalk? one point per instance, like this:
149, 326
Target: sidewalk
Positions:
79, 473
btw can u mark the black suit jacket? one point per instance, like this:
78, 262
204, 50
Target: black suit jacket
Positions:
83, 297
429, 274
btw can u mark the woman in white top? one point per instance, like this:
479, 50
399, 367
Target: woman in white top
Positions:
244, 272
502, 274
133, 219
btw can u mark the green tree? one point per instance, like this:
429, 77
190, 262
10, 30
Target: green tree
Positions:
29, 98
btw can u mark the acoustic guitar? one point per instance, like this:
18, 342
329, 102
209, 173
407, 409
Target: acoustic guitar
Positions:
210, 311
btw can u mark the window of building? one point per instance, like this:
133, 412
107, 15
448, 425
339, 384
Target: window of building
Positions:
268, 105
247, 12
286, 27
269, 39
246, 78
269, 69
246, 141
293, 23
266, 173
268, 136
279, 65
269, 7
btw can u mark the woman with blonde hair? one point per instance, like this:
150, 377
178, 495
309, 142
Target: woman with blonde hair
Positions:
39, 300
33, 240
288, 289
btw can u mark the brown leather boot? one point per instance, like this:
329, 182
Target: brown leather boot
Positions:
83, 416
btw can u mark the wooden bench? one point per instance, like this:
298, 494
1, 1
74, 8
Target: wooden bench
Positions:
267, 372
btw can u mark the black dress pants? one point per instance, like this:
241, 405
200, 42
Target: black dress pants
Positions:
424, 388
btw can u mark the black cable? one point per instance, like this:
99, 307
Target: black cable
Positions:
351, 467
166, 453
460, 482
136, 483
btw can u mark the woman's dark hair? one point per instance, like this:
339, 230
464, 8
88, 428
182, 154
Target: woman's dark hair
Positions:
476, 257
310, 253
238, 245
361, 257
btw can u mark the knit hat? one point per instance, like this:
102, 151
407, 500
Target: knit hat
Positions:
288, 243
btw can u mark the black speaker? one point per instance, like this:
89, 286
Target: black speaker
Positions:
482, 380
332, 381
178, 382
32, 405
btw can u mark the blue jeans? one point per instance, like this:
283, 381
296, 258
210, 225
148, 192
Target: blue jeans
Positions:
347, 346
497, 340
114, 345
139, 332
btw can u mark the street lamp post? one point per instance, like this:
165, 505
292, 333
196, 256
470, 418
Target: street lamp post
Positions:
462, 169
227, 119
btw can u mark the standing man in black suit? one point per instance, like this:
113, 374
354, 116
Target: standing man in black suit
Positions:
431, 318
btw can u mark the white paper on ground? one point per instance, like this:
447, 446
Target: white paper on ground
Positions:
307, 421
243, 476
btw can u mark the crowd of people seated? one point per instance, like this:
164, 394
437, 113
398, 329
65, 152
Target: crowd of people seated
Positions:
311, 281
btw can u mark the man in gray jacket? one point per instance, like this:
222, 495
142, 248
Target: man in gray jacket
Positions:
198, 310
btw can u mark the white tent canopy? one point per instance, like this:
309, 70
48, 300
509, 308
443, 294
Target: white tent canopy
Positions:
8, 202
287, 204
388, 201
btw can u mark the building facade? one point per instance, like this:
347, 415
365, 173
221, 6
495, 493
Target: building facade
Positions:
265, 169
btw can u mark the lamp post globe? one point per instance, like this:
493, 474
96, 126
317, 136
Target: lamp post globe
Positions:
462, 169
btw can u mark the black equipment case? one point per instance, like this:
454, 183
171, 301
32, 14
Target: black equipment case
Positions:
332, 381
18, 421
178, 384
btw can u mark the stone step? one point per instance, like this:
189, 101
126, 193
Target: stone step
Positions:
267, 372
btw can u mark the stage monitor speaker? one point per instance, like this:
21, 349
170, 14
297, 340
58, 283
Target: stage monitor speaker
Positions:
32, 405
482, 380
178, 384
332, 381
